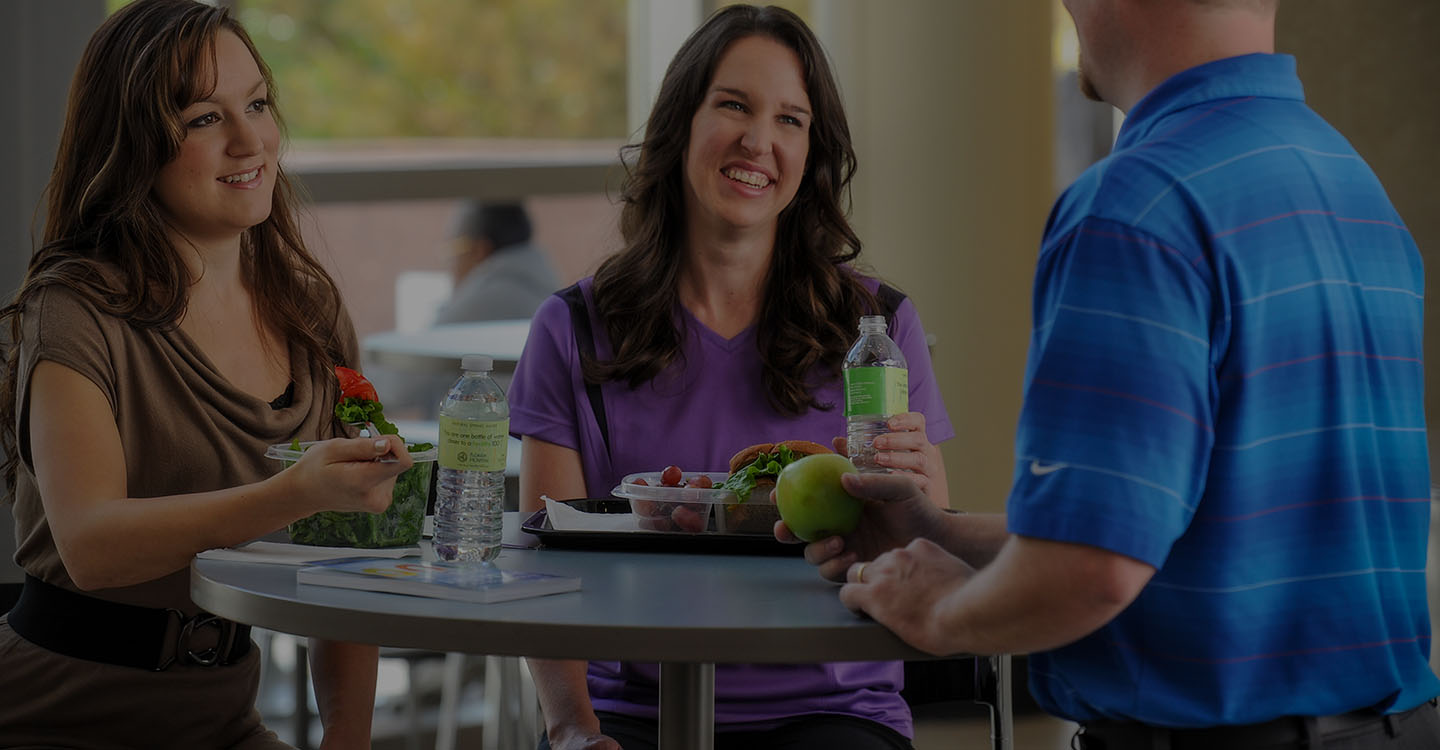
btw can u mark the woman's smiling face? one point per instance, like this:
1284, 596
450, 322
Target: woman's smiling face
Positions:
222, 181
749, 139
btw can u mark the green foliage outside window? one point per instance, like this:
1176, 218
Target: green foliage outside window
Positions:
444, 68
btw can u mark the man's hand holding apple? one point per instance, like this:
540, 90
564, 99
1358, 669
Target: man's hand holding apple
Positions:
895, 513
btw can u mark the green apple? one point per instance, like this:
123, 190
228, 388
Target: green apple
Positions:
812, 502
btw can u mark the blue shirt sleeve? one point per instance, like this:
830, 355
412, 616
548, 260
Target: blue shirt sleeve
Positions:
1117, 423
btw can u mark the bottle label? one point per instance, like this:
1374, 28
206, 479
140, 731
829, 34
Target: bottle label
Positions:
877, 390
468, 444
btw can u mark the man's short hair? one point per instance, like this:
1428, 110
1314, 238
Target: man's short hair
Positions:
502, 223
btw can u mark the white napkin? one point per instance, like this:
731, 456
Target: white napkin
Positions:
284, 553
566, 518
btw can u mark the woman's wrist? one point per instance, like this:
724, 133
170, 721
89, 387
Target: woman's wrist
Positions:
560, 731
284, 488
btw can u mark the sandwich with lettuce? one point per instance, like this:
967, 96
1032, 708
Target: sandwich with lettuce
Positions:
754, 469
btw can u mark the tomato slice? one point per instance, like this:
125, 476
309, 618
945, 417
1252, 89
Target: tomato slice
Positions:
354, 385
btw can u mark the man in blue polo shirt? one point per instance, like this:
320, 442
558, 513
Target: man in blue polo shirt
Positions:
1216, 534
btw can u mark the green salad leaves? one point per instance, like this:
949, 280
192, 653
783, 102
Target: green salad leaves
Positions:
399, 525
361, 410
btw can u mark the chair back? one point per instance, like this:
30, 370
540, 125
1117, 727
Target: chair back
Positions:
940, 681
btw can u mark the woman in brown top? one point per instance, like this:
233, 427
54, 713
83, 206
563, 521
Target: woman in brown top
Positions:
171, 326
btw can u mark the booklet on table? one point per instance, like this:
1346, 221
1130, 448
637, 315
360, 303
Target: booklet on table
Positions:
468, 582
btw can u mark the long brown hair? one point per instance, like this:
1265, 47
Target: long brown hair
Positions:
812, 299
105, 236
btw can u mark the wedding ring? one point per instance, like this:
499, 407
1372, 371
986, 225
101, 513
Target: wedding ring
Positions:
860, 573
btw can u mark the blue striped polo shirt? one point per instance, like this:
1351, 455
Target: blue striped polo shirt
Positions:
1224, 381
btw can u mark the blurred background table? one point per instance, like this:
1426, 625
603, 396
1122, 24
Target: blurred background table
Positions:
438, 350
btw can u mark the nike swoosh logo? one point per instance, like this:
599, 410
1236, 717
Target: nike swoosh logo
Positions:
1040, 470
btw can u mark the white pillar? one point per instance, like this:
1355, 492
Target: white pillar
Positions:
657, 29
951, 109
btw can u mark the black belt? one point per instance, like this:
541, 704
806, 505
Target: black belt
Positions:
1292, 731
93, 629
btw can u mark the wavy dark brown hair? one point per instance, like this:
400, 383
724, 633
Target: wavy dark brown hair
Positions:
812, 299
105, 235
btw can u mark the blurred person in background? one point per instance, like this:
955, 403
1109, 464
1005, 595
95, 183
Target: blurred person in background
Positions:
498, 274
171, 326
722, 323
1217, 529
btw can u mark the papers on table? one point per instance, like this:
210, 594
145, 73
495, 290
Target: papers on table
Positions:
284, 553
566, 518
469, 582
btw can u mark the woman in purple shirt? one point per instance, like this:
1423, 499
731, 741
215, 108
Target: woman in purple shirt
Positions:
722, 323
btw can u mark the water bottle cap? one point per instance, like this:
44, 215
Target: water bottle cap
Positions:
477, 363
872, 322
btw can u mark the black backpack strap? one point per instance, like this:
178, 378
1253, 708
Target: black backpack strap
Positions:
889, 299
585, 342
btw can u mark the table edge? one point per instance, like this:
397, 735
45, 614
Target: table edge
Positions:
548, 640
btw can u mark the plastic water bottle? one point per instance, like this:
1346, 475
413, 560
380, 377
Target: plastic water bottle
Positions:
470, 491
877, 386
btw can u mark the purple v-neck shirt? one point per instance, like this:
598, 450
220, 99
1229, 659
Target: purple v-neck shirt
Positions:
696, 415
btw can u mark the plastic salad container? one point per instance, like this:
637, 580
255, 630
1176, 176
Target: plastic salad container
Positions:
696, 510
398, 526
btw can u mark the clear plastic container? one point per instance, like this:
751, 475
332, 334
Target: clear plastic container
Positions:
877, 387
697, 510
470, 490
399, 526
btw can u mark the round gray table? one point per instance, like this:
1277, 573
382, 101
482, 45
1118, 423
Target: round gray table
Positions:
686, 611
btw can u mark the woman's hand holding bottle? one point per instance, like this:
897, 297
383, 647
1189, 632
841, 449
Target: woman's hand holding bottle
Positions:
906, 447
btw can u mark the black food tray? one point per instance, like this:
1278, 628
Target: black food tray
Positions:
650, 541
